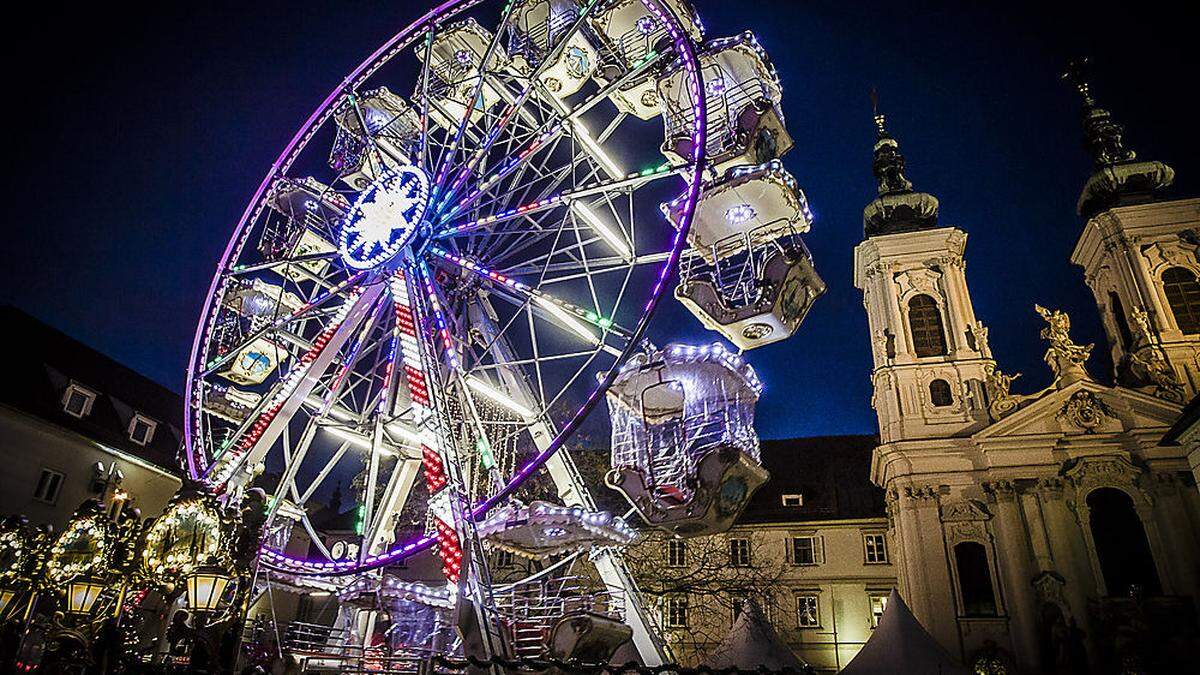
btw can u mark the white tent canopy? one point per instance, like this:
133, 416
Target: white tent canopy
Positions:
753, 643
902, 645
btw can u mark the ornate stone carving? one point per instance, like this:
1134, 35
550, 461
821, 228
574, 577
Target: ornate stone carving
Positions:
1086, 411
979, 333
1064, 357
1000, 490
921, 280
964, 510
1148, 365
1001, 402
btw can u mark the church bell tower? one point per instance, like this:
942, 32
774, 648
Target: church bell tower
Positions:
931, 355
1139, 256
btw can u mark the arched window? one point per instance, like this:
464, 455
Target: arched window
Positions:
925, 323
939, 393
1183, 294
1118, 312
974, 579
1121, 546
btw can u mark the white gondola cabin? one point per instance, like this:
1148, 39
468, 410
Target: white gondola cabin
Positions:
747, 274
631, 32
376, 130
536, 31
684, 450
743, 100
455, 65
310, 213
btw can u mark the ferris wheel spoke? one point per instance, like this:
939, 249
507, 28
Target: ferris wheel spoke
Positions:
565, 198
565, 314
317, 304
485, 65
293, 389
516, 105
600, 266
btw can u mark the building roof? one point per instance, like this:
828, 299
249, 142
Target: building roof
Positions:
830, 473
47, 361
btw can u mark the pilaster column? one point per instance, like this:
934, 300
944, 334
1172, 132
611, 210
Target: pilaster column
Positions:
1066, 543
1016, 573
941, 607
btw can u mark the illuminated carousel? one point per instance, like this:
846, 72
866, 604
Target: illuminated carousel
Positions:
447, 271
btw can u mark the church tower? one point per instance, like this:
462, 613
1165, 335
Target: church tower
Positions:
931, 355
1139, 256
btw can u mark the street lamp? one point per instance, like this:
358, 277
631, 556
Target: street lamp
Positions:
206, 588
82, 593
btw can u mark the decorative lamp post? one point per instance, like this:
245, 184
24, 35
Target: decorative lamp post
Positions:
82, 593
206, 588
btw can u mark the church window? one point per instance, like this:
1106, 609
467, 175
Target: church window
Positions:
925, 323
1183, 294
974, 579
939, 393
1121, 546
1118, 312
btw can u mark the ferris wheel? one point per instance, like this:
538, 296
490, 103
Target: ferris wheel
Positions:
456, 258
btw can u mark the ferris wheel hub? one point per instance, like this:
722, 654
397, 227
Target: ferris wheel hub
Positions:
385, 217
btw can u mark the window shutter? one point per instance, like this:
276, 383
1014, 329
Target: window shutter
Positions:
788, 547
819, 550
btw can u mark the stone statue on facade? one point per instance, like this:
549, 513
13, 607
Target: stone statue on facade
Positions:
1148, 365
1064, 357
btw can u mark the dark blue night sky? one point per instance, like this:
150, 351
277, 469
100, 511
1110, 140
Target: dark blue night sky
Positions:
140, 131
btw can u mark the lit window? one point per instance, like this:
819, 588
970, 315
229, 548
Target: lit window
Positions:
875, 546
1183, 295
676, 553
793, 500
878, 606
806, 550
807, 614
141, 429
677, 611
739, 552
77, 401
48, 486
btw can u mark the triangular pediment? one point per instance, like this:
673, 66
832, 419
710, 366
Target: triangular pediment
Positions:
1085, 407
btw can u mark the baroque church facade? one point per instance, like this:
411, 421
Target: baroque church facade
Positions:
1051, 530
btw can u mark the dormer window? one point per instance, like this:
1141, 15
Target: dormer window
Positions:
793, 500
77, 401
141, 429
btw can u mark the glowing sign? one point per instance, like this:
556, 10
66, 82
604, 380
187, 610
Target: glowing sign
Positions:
384, 217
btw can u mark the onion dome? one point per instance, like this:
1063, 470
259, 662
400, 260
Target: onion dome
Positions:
1119, 178
897, 208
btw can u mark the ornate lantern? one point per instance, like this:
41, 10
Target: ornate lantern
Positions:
82, 593
206, 588
82, 549
188, 535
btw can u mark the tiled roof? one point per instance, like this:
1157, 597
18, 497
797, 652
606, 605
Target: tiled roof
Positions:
46, 361
832, 474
